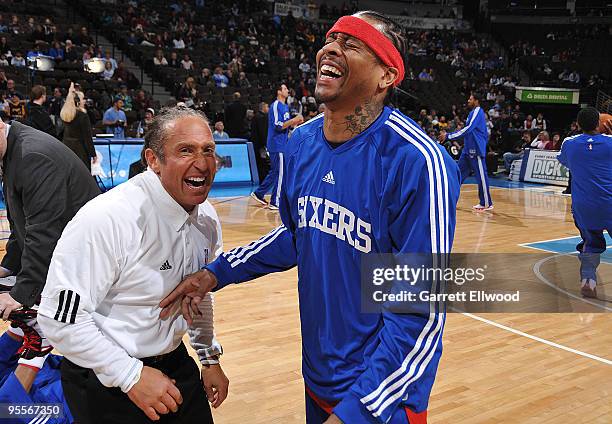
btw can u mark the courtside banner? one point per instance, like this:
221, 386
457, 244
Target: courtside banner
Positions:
235, 161
542, 166
477, 282
566, 96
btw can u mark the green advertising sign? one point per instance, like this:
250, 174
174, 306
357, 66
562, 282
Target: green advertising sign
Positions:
547, 95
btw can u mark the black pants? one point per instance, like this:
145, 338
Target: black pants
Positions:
92, 403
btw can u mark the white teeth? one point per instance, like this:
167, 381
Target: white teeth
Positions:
197, 179
332, 69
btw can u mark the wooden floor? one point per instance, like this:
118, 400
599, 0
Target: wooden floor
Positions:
503, 368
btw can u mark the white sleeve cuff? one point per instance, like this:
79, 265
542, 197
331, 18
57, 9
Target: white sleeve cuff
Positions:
133, 376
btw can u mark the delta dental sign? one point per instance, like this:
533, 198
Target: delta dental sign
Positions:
547, 95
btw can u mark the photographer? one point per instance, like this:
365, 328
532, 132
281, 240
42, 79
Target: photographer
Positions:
115, 119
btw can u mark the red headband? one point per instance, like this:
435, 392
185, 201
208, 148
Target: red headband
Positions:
382, 47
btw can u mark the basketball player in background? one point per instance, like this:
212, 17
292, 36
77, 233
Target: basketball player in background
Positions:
279, 124
474, 153
587, 156
361, 178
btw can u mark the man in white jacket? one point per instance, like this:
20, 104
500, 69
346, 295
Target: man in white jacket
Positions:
119, 256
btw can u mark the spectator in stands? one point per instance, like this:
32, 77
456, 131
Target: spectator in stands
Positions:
143, 124
37, 117
16, 107
235, 66
218, 133
243, 81
108, 71
556, 141
86, 57
3, 61
539, 122
4, 47
425, 76
70, 53
304, 66
57, 52
18, 60
84, 39
517, 151
187, 63
174, 61
77, 128
125, 96
178, 42
573, 129
115, 119
542, 141
528, 123
159, 59
122, 74
55, 107
3, 81
108, 58
235, 114
205, 78
219, 78
141, 103
188, 91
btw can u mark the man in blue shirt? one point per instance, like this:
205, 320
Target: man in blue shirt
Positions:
279, 123
360, 179
115, 119
474, 153
588, 156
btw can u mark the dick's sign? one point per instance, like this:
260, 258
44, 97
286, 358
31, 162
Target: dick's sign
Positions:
542, 166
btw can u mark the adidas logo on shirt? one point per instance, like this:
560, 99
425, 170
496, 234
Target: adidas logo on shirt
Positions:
329, 178
166, 266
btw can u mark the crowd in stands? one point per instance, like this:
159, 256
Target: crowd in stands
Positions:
227, 58
70, 47
567, 56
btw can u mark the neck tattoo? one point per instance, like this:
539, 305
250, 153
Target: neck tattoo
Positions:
362, 118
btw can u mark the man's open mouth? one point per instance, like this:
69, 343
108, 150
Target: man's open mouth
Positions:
196, 181
330, 72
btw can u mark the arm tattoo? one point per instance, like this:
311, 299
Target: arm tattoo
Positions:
362, 118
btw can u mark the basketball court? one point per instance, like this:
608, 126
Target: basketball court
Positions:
496, 368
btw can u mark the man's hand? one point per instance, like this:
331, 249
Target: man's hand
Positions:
8, 305
297, 120
155, 393
442, 136
333, 419
5, 272
216, 384
189, 293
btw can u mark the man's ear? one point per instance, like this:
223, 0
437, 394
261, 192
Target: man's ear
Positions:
152, 161
388, 78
